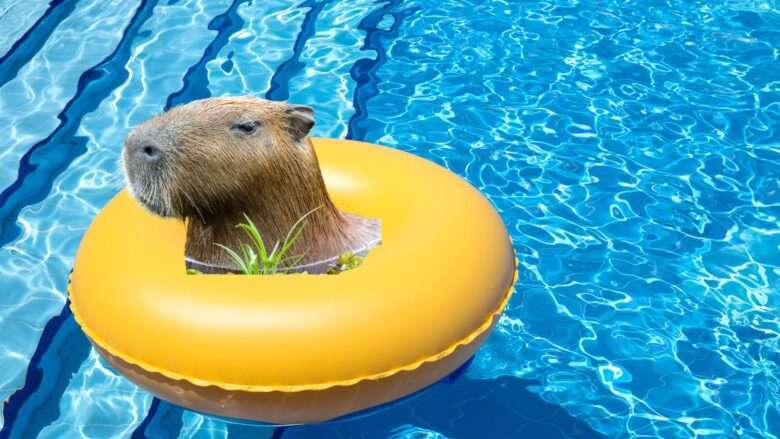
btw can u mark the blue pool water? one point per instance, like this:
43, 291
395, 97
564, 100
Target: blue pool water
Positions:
631, 148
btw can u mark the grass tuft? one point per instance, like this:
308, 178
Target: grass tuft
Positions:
259, 260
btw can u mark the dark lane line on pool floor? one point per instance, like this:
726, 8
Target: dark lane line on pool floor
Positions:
61, 351
364, 71
163, 420
196, 80
280, 81
26, 47
47, 159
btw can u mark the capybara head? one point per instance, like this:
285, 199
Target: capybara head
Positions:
218, 161
201, 159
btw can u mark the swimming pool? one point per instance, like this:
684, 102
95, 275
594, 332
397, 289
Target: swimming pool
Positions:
631, 148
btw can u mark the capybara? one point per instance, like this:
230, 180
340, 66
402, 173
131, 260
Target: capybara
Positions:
214, 160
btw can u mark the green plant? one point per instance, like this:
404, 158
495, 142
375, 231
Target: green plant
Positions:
346, 261
259, 260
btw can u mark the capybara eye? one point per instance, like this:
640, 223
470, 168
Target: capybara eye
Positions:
246, 127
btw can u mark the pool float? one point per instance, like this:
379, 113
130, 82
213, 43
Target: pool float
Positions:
303, 348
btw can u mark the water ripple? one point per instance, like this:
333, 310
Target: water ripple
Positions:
642, 204
46, 159
329, 55
279, 90
196, 79
363, 72
49, 78
16, 17
33, 40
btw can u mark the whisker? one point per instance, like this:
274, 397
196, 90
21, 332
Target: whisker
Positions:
194, 206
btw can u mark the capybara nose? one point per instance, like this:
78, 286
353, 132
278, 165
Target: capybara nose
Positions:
148, 152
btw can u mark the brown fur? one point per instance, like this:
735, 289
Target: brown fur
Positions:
211, 173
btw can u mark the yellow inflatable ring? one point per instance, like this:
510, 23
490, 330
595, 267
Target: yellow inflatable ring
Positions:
303, 348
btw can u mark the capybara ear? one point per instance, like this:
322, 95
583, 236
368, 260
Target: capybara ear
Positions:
301, 120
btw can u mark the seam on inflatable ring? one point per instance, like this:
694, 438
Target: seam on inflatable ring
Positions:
487, 324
